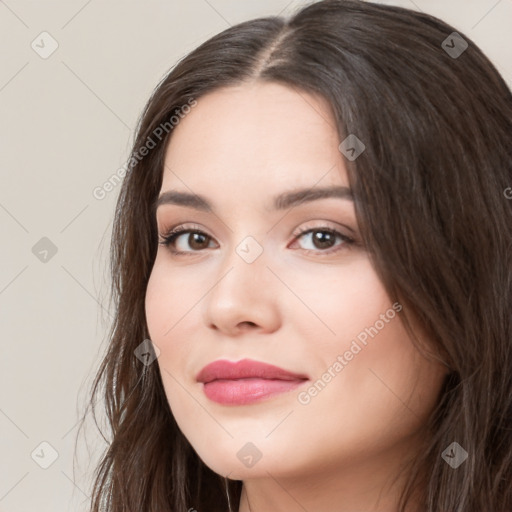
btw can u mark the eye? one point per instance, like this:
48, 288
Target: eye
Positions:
323, 239
196, 239
320, 240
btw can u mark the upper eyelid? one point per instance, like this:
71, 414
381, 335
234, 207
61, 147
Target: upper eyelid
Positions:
185, 228
162, 214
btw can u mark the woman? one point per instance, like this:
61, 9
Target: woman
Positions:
312, 271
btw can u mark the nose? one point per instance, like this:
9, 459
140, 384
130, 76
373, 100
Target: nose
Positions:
243, 296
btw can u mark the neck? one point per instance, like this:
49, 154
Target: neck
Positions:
372, 485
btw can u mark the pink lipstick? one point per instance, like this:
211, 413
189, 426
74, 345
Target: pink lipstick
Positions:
246, 381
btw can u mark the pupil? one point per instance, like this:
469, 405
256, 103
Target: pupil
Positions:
323, 238
196, 236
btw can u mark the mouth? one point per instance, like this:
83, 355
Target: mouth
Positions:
246, 381
246, 391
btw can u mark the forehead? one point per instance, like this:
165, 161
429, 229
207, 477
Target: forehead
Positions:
258, 135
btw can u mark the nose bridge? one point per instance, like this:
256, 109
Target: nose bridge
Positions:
245, 265
249, 250
241, 293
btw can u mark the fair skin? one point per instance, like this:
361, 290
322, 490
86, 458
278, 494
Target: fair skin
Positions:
298, 305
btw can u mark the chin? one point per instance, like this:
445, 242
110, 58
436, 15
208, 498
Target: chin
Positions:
244, 460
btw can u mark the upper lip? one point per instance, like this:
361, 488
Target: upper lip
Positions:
244, 369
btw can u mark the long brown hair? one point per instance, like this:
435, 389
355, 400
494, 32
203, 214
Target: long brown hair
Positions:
431, 202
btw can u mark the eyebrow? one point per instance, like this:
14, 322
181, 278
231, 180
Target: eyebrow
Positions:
281, 202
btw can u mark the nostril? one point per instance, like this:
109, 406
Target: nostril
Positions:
248, 324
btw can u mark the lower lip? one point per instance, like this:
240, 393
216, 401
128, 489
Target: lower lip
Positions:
247, 391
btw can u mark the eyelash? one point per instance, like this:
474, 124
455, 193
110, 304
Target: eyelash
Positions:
170, 237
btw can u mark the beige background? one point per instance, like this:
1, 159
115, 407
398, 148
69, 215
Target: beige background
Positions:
66, 126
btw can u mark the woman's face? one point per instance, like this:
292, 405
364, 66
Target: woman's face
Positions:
252, 287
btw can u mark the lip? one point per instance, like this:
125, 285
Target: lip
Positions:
246, 381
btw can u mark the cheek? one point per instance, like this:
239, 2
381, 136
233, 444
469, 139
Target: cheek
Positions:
336, 304
167, 302
172, 304
157, 301
369, 375
170, 296
377, 393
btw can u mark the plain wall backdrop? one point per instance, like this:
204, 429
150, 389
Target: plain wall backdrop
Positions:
74, 77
